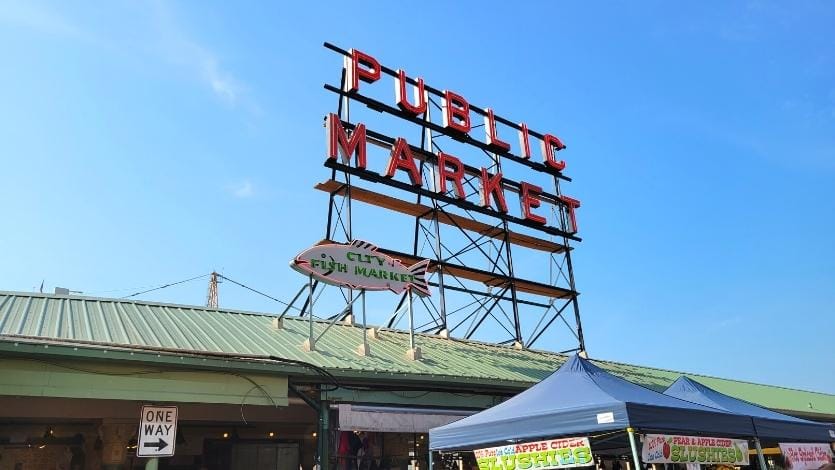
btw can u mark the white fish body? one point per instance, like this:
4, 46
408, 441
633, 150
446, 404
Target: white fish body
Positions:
359, 265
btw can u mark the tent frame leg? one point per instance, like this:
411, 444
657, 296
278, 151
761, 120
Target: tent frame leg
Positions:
635, 457
760, 456
429, 462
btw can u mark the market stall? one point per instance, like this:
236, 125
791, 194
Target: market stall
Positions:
767, 424
803, 443
581, 399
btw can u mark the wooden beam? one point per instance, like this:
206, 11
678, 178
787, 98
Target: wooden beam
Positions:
425, 212
485, 277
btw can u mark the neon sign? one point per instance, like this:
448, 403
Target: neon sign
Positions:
347, 149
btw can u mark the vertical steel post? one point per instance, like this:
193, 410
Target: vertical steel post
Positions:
411, 323
635, 457
427, 146
568, 266
517, 323
574, 302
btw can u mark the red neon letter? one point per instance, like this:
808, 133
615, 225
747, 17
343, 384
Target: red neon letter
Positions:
549, 143
524, 141
400, 93
492, 185
529, 197
338, 141
456, 112
456, 175
492, 137
571, 204
401, 158
360, 66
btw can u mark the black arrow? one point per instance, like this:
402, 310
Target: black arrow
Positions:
159, 445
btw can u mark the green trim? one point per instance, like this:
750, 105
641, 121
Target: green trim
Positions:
142, 356
106, 380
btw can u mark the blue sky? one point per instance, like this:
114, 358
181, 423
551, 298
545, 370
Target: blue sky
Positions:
149, 142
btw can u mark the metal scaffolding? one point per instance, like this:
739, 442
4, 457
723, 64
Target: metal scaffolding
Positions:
480, 292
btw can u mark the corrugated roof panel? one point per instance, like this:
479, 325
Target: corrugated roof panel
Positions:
95, 319
136, 322
51, 319
182, 330
23, 321
196, 329
20, 315
112, 324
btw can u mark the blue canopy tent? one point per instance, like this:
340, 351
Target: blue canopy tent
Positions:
768, 424
581, 398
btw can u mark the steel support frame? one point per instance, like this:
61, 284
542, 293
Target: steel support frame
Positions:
502, 302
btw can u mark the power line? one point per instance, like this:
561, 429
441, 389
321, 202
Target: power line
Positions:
256, 291
220, 276
166, 285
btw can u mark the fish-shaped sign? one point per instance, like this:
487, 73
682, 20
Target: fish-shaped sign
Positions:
359, 265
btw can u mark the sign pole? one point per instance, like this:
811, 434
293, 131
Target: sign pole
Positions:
411, 323
310, 312
635, 457
364, 326
760, 456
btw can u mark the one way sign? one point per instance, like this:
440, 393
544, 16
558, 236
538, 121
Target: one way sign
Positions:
157, 431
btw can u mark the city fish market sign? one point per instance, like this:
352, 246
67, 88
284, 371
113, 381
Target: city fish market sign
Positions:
359, 265
662, 448
554, 453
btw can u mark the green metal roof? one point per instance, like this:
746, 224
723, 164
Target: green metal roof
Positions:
93, 322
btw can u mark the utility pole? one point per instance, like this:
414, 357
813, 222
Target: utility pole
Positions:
211, 296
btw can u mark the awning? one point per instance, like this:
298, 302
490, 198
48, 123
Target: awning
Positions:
580, 399
768, 424
395, 419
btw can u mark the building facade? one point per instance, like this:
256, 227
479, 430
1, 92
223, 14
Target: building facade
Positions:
75, 372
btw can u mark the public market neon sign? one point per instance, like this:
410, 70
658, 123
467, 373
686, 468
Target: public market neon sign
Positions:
349, 141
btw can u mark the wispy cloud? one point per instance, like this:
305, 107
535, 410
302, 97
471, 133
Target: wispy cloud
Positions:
39, 18
730, 320
183, 50
242, 190
153, 33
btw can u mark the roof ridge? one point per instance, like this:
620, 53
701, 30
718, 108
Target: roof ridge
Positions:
131, 301
689, 374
